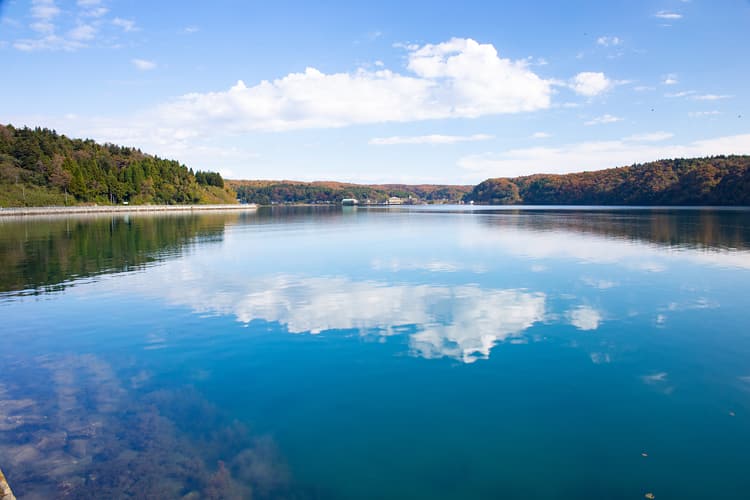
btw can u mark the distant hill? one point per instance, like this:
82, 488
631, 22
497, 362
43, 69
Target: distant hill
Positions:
268, 192
718, 180
41, 167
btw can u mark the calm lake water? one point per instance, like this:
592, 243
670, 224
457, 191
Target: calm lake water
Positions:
373, 353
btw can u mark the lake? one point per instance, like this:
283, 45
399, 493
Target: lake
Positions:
412, 352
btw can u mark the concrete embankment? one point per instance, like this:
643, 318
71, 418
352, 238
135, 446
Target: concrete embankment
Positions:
5, 491
101, 209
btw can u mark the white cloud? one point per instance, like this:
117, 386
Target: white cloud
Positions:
143, 64
95, 12
82, 32
456, 79
429, 139
684, 93
710, 97
590, 84
594, 155
541, 135
670, 79
189, 30
585, 318
53, 35
600, 284
127, 25
45, 10
650, 137
704, 113
692, 94
607, 41
665, 14
604, 119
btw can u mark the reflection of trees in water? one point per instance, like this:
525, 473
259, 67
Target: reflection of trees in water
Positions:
722, 229
69, 428
43, 254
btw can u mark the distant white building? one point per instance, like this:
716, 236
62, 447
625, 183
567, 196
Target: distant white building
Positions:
395, 200
349, 201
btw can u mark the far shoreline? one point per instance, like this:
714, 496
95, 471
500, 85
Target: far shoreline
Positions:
99, 209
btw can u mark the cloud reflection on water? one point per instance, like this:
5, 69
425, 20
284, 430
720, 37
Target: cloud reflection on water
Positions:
460, 322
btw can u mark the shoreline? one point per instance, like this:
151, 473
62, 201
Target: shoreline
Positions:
98, 209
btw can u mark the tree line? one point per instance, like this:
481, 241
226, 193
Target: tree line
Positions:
716, 180
281, 192
39, 166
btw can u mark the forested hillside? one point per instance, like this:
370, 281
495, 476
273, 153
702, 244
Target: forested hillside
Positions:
41, 167
268, 192
718, 180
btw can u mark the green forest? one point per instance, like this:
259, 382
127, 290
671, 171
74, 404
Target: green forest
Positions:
41, 167
717, 180
280, 192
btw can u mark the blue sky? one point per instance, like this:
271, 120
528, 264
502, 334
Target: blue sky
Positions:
384, 91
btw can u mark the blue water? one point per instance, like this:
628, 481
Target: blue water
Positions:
447, 352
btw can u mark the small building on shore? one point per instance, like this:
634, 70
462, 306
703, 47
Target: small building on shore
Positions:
395, 200
349, 201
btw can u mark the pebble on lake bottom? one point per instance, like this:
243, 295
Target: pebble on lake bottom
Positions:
650, 496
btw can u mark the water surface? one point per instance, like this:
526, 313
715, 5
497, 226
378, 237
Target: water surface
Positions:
377, 353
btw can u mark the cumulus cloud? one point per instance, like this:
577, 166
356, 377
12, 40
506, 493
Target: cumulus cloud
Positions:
590, 83
604, 119
460, 78
593, 155
670, 79
143, 64
429, 139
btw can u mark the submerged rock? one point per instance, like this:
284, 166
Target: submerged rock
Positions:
5, 491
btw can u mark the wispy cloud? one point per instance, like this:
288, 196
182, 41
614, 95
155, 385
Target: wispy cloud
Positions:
541, 135
711, 97
127, 25
670, 79
650, 137
429, 139
665, 14
703, 113
606, 41
602, 120
684, 93
143, 64
594, 155
66, 29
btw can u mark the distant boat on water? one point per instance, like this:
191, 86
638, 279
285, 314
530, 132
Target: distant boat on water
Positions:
349, 201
